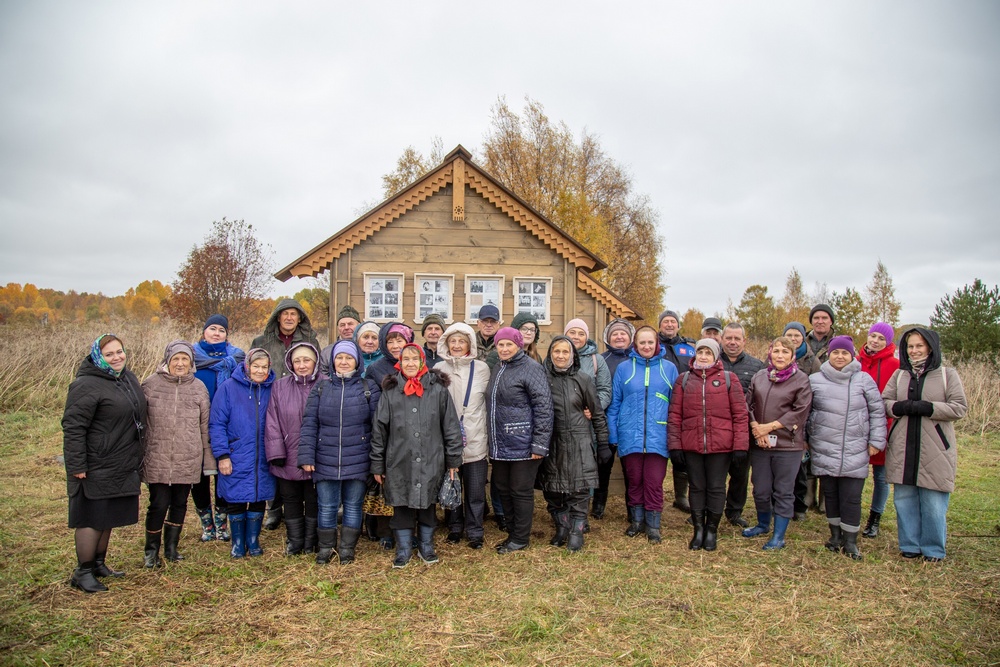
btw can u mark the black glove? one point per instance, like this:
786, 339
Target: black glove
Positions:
277, 463
739, 456
921, 408
604, 454
902, 408
677, 457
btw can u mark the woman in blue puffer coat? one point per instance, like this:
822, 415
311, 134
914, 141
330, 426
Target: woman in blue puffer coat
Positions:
846, 426
335, 446
236, 431
637, 422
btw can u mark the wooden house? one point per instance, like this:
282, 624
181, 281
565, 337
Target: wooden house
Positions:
449, 243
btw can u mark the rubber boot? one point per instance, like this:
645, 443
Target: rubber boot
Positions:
653, 527
562, 529
712, 520
274, 516
222, 526
426, 546
348, 541
207, 525
599, 504
84, 579
404, 548
637, 523
171, 536
238, 527
152, 550
255, 521
295, 536
309, 545
102, 570
327, 541
851, 545
698, 521
575, 541
681, 490
871, 530
763, 526
836, 539
777, 540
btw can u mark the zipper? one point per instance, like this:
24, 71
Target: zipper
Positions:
256, 449
843, 442
645, 403
704, 411
340, 433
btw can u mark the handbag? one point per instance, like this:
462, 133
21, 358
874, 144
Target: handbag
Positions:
450, 495
374, 503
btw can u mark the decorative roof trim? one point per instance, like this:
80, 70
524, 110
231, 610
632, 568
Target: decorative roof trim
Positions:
605, 296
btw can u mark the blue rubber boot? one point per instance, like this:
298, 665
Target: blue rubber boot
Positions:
777, 540
425, 547
404, 548
637, 521
254, 521
763, 526
238, 533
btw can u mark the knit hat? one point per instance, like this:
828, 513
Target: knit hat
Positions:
221, 320
577, 323
433, 318
843, 343
344, 347
884, 329
305, 347
711, 345
348, 311
822, 307
711, 323
489, 312
795, 325
511, 334
618, 324
401, 329
523, 318
668, 313
363, 327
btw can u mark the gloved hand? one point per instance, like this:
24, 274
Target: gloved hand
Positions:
922, 408
677, 458
604, 454
739, 456
277, 463
902, 408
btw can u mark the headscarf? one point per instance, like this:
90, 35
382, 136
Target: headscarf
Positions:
98, 359
252, 356
776, 376
413, 385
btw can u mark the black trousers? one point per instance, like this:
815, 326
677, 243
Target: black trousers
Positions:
573, 503
739, 479
299, 498
802, 488
469, 517
604, 478
515, 482
201, 493
403, 518
240, 508
707, 480
843, 500
166, 501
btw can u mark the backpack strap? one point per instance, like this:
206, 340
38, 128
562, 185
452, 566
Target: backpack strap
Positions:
684, 380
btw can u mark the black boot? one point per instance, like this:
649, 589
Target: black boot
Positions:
600, 503
425, 547
575, 541
404, 548
871, 530
562, 529
636, 521
851, 545
295, 536
102, 570
836, 539
327, 541
698, 521
681, 490
84, 579
171, 535
712, 520
152, 551
653, 527
309, 545
348, 542
274, 516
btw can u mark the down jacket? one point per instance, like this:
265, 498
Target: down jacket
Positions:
100, 434
847, 415
921, 450
337, 426
637, 416
459, 370
707, 416
236, 430
880, 366
518, 410
177, 449
786, 402
596, 368
571, 465
386, 364
415, 439
284, 418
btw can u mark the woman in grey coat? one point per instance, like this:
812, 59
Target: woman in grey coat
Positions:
846, 427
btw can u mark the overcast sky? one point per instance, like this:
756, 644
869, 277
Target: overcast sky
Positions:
766, 134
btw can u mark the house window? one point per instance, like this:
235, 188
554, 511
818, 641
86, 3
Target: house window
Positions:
383, 296
480, 291
433, 295
534, 295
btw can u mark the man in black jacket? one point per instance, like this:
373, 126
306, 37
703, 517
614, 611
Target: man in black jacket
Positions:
679, 351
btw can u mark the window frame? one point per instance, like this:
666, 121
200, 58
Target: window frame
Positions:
419, 278
366, 278
500, 279
516, 283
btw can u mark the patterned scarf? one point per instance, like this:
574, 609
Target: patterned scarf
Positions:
776, 376
98, 359
413, 384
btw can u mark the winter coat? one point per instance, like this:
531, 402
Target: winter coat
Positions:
270, 341
459, 369
786, 402
880, 366
215, 362
385, 365
236, 429
518, 410
847, 416
594, 366
337, 426
177, 449
487, 350
101, 427
613, 357
708, 416
678, 350
745, 367
571, 465
415, 440
637, 416
808, 363
818, 348
921, 450
284, 419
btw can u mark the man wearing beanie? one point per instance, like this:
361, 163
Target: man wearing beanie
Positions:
347, 319
431, 330
679, 351
821, 320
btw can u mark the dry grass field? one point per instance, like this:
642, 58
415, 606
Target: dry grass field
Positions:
619, 601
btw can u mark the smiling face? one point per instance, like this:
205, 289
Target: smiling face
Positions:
781, 356
215, 333
432, 334
368, 342
840, 358
506, 349
795, 336
876, 342
669, 326
344, 363
409, 362
458, 345
561, 354
345, 328
916, 347
619, 339
288, 320
395, 342
645, 343
704, 356
259, 369
114, 354
179, 365
734, 342
578, 336
303, 363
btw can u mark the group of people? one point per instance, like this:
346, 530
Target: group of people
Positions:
295, 433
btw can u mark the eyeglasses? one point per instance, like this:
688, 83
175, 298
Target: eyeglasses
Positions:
528, 329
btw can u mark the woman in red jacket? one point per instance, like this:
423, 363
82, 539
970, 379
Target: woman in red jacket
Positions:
708, 426
878, 359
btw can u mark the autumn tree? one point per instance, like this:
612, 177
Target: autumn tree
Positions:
410, 166
317, 300
794, 304
968, 321
852, 316
230, 273
691, 323
883, 306
758, 313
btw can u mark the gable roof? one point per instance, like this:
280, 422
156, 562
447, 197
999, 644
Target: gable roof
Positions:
456, 165
605, 296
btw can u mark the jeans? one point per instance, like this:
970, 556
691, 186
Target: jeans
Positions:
921, 519
880, 494
331, 493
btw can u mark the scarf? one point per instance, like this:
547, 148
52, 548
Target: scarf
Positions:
413, 384
918, 366
98, 359
698, 366
801, 351
776, 376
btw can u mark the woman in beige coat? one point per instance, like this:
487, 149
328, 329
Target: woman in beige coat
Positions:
926, 399
177, 449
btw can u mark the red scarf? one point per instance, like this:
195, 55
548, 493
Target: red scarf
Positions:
413, 384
